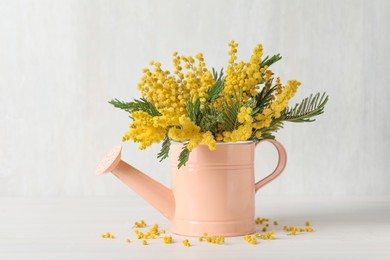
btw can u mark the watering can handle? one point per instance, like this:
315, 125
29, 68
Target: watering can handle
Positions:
282, 161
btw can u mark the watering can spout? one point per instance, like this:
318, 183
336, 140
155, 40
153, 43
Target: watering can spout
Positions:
152, 191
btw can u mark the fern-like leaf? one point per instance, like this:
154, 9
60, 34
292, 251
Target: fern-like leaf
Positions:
231, 110
137, 105
120, 104
262, 100
214, 91
307, 109
275, 125
210, 119
183, 157
193, 110
165, 147
269, 61
217, 76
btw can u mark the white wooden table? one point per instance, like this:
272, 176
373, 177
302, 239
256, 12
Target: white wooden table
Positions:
70, 228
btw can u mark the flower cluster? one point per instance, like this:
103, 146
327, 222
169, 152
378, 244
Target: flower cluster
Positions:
169, 92
188, 130
186, 243
145, 129
168, 240
153, 233
243, 75
197, 106
212, 239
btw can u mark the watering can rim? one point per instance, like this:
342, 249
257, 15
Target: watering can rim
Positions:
110, 160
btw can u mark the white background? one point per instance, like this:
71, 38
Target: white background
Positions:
61, 61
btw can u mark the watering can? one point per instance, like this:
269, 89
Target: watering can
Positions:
214, 192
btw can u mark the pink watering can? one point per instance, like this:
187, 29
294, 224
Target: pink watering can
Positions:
214, 192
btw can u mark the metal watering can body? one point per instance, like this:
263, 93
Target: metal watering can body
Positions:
214, 192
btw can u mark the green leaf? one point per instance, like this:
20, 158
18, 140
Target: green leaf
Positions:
137, 105
231, 110
183, 157
120, 104
210, 119
165, 147
307, 109
214, 91
193, 110
275, 125
216, 76
267, 135
262, 99
269, 61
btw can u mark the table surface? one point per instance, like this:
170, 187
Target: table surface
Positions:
71, 228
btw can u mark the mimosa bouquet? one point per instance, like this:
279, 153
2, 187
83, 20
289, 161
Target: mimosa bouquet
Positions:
195, 105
